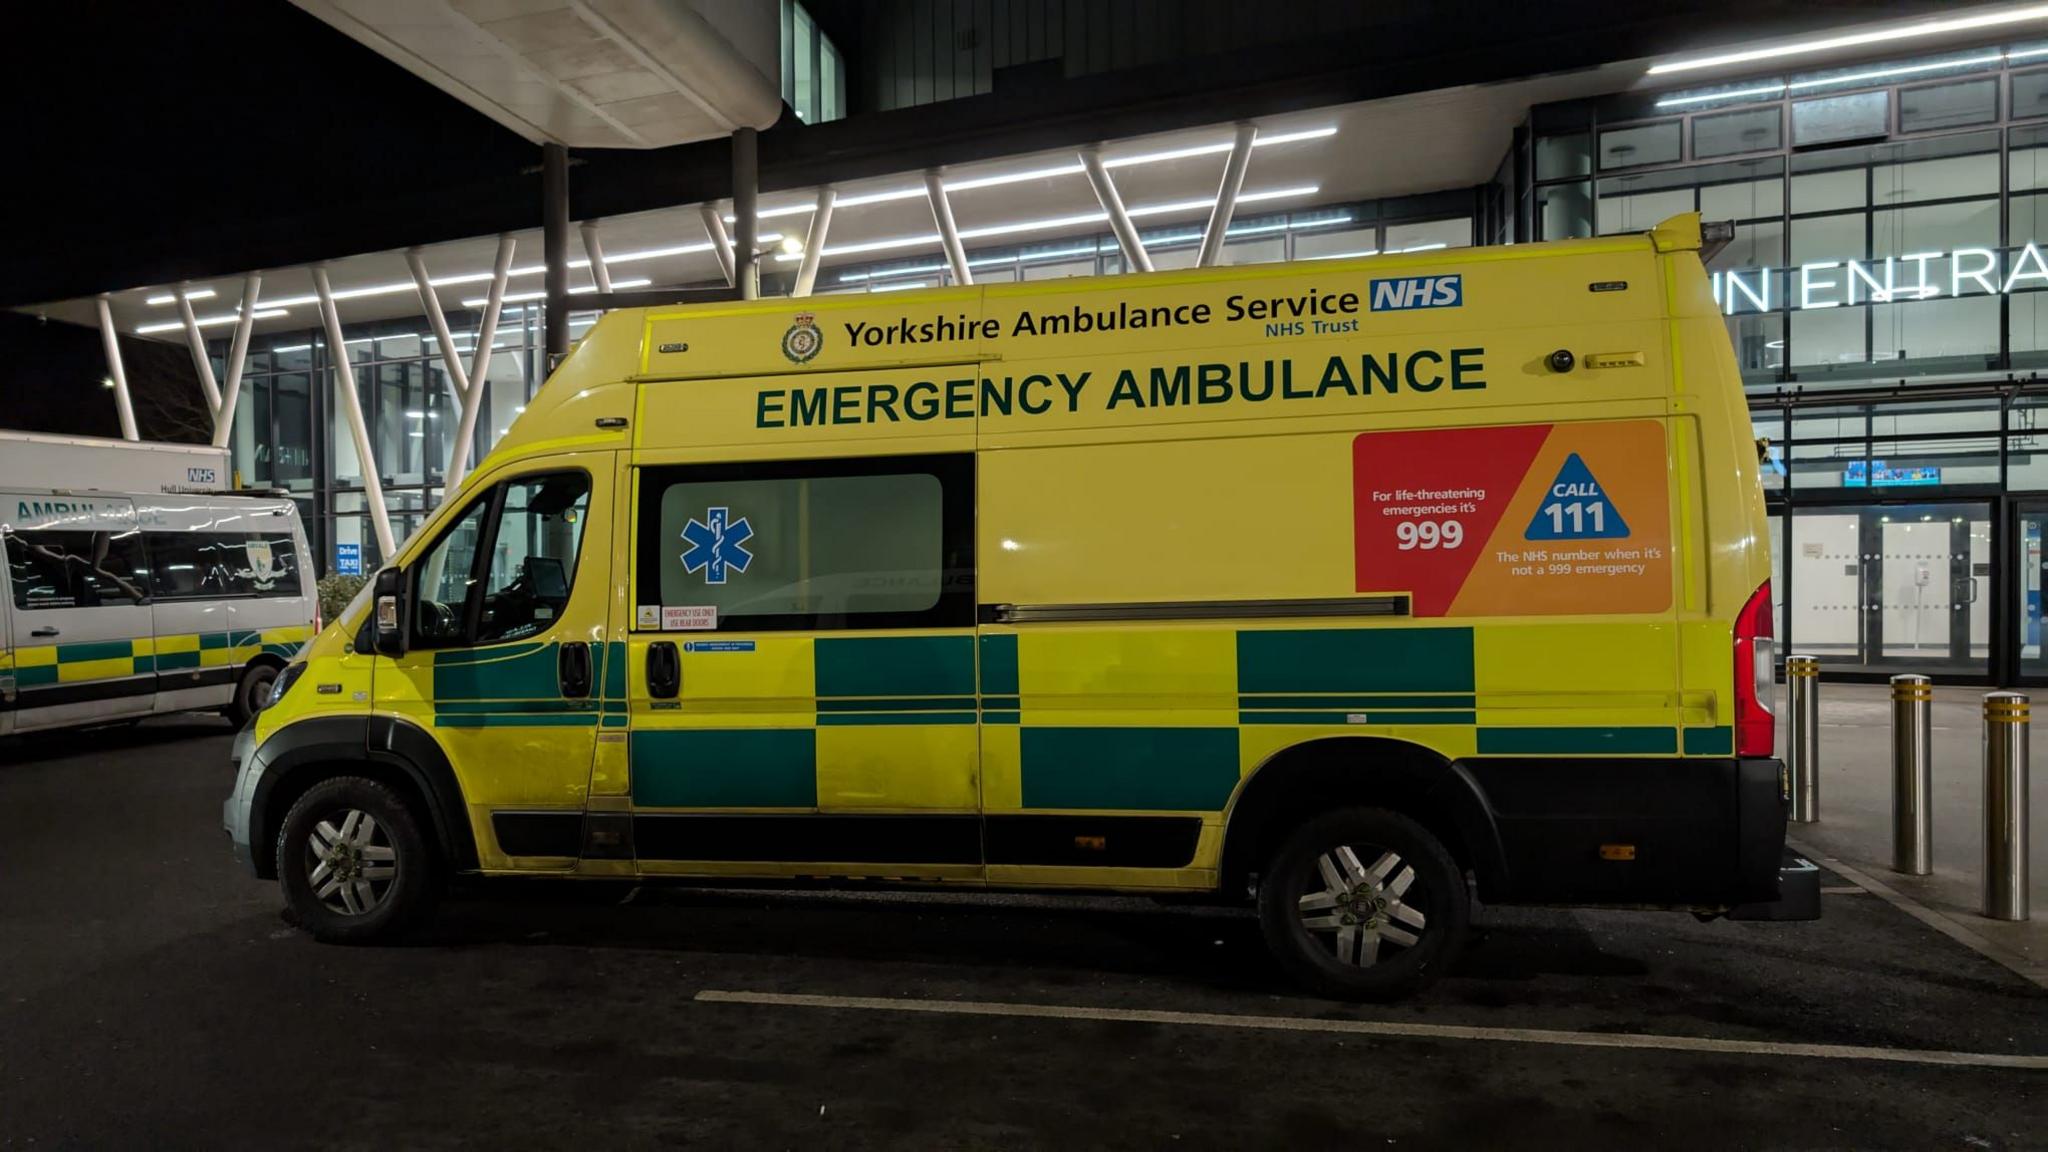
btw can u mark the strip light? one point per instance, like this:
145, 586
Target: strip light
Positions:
1831, 81
522, 297
971, 184
1858, 39
1052, 222
210, 321
172, 297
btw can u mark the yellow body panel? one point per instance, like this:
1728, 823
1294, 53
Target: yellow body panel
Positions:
1232, 446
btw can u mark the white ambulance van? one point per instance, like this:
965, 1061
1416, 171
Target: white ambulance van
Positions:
115, 605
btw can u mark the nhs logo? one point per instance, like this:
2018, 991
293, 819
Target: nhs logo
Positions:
1418, 292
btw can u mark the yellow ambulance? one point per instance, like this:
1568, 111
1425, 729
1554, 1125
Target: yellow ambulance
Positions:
1355, 589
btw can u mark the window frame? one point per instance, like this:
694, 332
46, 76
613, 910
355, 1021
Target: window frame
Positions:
493, 504
955, 472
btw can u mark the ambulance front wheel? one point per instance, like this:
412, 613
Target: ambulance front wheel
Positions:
353, 864
1363, 904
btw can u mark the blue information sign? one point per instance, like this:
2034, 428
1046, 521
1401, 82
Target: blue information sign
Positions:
348, 559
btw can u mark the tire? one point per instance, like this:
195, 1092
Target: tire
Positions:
395, 871
1409, 914
252, 692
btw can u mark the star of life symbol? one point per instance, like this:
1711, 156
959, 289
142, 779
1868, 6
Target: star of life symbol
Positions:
716, 544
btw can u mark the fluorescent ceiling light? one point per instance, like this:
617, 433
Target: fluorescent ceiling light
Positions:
1858, 39
1052, 222
1347, 255
899, 287
209, 321
970, 184
1831, 81
522, 297
172, 297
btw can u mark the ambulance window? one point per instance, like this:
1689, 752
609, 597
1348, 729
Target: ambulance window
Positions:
808, 545
76, 569
443, 577
533, 556
210, 565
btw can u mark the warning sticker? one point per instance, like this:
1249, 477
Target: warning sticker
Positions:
1515, 520
691, 618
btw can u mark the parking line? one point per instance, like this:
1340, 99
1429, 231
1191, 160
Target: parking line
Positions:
2027, 969
1381, 1028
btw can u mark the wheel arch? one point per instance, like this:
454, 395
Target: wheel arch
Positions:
1315, 776
386, 749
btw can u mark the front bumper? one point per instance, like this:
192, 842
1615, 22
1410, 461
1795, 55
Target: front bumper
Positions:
234, 811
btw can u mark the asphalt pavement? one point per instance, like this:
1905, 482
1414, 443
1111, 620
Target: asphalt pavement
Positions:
150, 995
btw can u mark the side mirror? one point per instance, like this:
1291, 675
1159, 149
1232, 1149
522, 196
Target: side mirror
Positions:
391, 614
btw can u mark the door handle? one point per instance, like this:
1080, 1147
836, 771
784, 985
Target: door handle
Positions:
664, 670
44, 632
572, 665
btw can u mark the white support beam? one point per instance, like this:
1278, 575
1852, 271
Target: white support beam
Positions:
1135, 258
238, 355
599, 274
814, 242
721, 244
352, 413
201, 362
479, 371
949, 233
111, 339
1226, 195
430, 303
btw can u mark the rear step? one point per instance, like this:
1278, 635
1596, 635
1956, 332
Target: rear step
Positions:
1798, 894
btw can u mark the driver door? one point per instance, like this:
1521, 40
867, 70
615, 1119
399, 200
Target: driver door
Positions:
504, 654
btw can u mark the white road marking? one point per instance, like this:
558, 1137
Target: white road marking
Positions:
2020, 964
1381, 1028
1843, 890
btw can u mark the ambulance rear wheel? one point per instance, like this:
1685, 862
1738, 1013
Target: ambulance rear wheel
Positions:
1363, 904
353, 864
252, 692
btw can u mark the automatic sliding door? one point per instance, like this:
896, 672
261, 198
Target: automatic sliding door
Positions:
1893, 588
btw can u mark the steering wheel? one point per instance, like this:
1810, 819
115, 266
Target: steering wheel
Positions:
436, 619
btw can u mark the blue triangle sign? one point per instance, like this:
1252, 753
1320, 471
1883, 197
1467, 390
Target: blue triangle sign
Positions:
1576, 507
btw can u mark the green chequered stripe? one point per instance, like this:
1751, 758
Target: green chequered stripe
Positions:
101, 650
725, 768
502, 672
1321, 660
1593, 741
998, 659
612, 658
1150, 769
894, 666
894, 680
34, 675
1710, 741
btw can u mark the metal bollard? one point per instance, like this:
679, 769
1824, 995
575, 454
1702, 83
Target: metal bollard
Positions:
2006, 723
1802, 745
1912, 775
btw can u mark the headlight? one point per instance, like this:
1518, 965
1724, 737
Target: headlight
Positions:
284, 682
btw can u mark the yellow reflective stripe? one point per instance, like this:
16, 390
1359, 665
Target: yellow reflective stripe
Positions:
187, 643
35, 657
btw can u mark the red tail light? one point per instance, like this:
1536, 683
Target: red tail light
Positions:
1756, 732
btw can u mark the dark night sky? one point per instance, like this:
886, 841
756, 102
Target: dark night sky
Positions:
138, 131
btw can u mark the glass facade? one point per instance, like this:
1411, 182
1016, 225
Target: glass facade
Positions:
289, 433
1886, 295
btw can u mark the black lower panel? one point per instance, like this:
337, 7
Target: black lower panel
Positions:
1693, 830
51, 695
1102, 841
810, 839
539, 833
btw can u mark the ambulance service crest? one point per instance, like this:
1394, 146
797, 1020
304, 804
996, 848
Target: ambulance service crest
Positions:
802, 341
